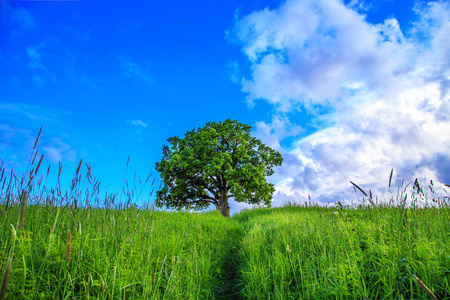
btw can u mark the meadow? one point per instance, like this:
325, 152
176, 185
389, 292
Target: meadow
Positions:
51, 251
78, 244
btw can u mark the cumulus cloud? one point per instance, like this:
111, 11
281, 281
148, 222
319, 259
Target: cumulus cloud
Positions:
280, 128
387, 90
316, 51
361, 6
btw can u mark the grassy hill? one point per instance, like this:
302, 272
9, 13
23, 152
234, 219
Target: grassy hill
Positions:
63, 252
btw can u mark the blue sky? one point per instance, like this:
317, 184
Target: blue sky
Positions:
345, 90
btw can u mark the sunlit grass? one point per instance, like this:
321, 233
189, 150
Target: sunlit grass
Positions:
128, 253
313, 253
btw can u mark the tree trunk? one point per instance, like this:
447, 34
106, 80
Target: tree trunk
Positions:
223, 204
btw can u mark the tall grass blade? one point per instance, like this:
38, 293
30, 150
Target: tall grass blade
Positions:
69, 246
60, 169
23, 204
7, 201
3, 171
37, 139
39, 164
390, 177
34, 158
79, 166
31, 156
425, 288
5, 279
362, 191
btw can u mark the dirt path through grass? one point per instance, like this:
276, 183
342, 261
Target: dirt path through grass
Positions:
228, 276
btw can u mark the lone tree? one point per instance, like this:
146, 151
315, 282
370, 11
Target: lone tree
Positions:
213, 163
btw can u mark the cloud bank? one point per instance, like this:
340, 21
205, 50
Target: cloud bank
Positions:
387, 91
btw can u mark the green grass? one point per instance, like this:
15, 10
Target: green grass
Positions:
318, 253
117, 254
280, 253
78, 245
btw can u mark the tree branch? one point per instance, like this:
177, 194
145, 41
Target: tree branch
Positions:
212, 192
205, 200
214, 180
211, 199
219, 181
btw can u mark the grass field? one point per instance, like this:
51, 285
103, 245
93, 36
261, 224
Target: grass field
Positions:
314, 253
62, 252
79, 245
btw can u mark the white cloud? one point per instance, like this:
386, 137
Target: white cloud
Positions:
388, 91
361, 6
279, 129
58, 151
16, 111
306, 51
14, 144
233, 71
236, 207
139, 123
36, 53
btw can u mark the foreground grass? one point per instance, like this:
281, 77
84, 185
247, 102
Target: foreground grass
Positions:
318, 253
281, 253
109, 254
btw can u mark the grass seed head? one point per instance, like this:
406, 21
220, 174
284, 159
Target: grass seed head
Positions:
37, 139
39, 164
79, 166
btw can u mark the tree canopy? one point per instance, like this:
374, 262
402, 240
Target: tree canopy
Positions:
213, 163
